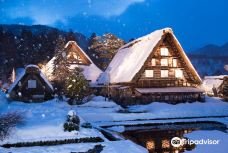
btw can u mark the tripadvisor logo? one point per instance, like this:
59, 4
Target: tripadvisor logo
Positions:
177, 142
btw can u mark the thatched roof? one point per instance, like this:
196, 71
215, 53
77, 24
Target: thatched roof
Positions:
90, 70
131, 57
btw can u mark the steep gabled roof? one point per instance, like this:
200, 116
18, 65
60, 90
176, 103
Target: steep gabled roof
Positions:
131, 57
90, 70
22, 74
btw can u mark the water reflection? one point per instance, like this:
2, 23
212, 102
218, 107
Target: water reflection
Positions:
158, 139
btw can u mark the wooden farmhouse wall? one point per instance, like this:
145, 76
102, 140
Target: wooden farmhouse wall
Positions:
175, 63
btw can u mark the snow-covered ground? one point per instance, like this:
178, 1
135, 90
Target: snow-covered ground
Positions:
123, 146
221, 147
44, 121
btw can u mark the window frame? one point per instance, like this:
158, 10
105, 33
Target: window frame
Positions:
147, 73
164, 51
174, 65
32, 84
153, 62
166, 63
182, 73
162, 74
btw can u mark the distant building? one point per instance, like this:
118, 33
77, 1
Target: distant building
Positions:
31, 86
212, 84
152, 68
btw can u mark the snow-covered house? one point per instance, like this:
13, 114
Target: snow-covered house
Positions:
31, 85
152, 68
76, 57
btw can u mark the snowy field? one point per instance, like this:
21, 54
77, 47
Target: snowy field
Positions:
44, 121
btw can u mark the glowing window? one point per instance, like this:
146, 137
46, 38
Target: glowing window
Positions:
174, 62
149, 73
164, 73
165, 144
164, 62
178, 73
150, 145
153, 62
164, 51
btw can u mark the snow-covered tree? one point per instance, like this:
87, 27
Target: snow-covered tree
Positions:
76, 86
103, 48
61, 67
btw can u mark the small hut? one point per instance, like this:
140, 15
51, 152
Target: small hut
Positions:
31, 86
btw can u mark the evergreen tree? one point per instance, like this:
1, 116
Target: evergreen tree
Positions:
76, 86
103, 48
61, 67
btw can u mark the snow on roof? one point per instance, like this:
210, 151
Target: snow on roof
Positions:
130, 58
91, 72
21, 75
212, 81
215, 77
169, 90
74, 43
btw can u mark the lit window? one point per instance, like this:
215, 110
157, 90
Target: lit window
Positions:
165, 144
150, 145
153, 62
31, 83
149, 73
164, 62
164, 73
174, 62
178, 73
164, 51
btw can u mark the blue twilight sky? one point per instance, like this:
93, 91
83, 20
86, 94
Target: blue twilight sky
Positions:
195, 22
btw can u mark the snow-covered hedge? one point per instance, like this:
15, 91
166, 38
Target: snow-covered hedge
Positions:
54, 142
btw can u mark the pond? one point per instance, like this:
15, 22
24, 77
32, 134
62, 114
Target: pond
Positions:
157, 138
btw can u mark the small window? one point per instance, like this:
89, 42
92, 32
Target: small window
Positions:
178, 73
164, 62
164, 73
174, 62
164, 51
149, 73
153, 62
31, 84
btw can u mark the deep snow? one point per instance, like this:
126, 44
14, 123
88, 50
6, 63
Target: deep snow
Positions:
44, 121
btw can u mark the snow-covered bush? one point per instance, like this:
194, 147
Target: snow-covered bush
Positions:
72, 122
7, 122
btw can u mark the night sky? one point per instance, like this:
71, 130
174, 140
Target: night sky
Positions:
195, 22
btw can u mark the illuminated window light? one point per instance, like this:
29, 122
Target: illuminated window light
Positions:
178, 73
164, 62
164, 73
149, 73
164, 51
150, 145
